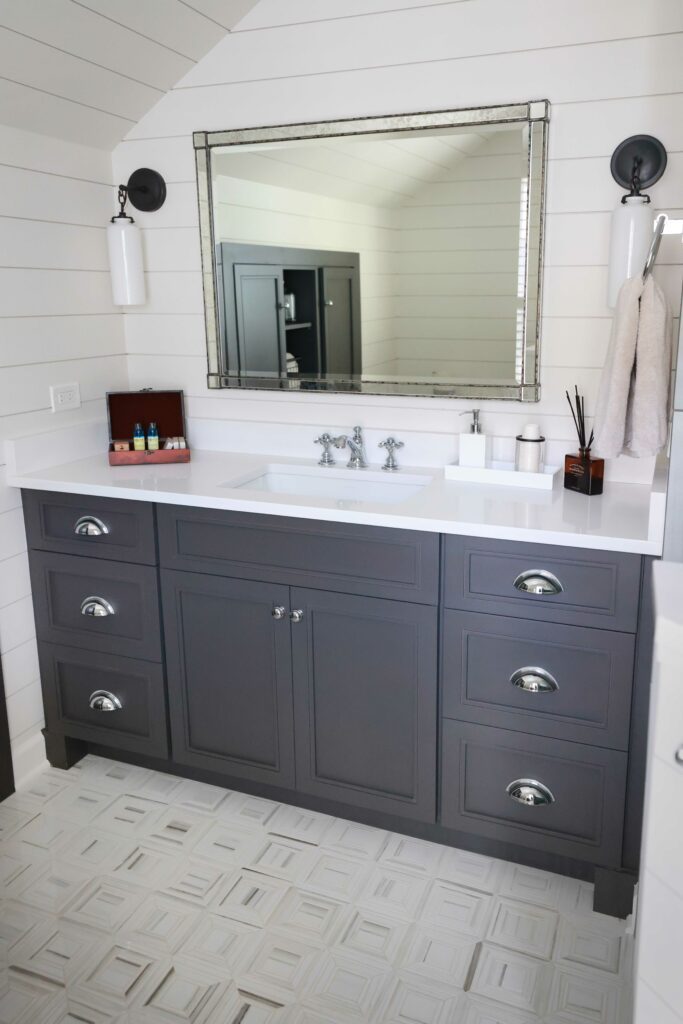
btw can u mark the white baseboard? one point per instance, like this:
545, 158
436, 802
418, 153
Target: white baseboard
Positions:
28, 758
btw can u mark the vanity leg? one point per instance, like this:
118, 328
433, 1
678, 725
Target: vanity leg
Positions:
613, 893
63, 751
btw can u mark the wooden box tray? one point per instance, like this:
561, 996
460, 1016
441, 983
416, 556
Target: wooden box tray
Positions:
165, 408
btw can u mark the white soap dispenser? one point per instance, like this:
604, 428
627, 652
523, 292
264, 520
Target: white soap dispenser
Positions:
474, 445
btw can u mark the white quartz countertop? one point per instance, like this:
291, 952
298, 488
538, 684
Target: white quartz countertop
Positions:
627, 517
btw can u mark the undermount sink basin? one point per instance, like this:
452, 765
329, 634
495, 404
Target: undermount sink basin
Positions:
334, 484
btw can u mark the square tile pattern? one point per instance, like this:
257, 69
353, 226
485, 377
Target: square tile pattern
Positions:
128, 896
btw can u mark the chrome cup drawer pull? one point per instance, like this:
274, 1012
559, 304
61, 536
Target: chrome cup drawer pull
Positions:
90, 526
97, 607
103, 700
538, 581
529, 792
534, 680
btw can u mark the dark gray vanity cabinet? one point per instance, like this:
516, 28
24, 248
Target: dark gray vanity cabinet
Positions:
260, 319
228, 655
365, 701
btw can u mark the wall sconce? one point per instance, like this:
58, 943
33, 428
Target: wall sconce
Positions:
146, 190
637, 162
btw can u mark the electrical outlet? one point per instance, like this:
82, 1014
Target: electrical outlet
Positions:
65, 396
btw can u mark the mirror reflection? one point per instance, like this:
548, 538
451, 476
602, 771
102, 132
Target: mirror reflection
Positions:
407, 256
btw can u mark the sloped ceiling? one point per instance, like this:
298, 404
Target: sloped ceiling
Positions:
87, 70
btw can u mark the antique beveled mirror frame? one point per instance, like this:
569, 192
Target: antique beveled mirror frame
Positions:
527, 387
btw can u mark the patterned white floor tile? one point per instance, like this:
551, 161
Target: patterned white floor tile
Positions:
353, 840
309, 916
411, 1001
143, 865
247, 810
249, 897
582, 997
597, 943
177, 830
94, 852
115, 776
369, 934
37, 793
158, 786
297, 823
22, 999
408, 854
16, 921
114, 977
174, 993
519, 981
235, 1006
104, 904
540, 887
474, 1010
17, 870
44, 834
345, 987
219, 944
339, 877
302, 1015
159, 925
441, 956
228, 845
54, 951
394, 892
54, 888
62, 1009
524, 928
129, 816
79, 804
194, 882
280, 967
198, 796
454, 907
283, 858
12, 819
471, 869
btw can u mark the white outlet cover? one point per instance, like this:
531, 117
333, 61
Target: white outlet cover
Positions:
65, 396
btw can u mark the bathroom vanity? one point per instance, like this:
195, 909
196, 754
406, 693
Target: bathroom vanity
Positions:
485, 693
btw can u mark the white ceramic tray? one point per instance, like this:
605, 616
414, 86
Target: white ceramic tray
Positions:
502, 473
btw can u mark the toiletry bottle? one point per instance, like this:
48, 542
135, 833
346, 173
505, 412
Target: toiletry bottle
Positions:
474, 445
152, 438
138, 438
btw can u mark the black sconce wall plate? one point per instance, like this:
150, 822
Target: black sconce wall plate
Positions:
638, 162
146, 190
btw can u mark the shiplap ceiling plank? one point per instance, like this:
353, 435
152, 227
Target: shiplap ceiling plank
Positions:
272, 13
88, 70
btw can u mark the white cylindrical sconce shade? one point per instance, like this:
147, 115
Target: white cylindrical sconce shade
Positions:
124, 241
632, 226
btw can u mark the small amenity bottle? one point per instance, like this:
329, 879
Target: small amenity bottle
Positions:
475, 446
138, 438
152, 438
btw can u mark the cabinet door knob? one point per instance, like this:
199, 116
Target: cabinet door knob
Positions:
97, 607
103, 700
538, 581
529, 792
678, 756
90, 526
329, 302
297, 615
279, 612
534, 680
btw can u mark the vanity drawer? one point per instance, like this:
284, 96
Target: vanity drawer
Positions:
98, 527
364, 560
584, 821
571, 682
98, 605
582, 587
74, 680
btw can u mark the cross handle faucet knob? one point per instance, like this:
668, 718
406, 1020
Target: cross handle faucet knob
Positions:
391, 445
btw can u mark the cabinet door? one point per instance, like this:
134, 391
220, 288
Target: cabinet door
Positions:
339, 297
365, 702
229, 676
259, 299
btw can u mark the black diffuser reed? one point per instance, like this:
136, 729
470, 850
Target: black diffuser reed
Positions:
582, 472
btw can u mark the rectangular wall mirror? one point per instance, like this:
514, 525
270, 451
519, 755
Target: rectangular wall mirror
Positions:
391, 255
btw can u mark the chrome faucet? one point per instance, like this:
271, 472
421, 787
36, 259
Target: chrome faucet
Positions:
357, 459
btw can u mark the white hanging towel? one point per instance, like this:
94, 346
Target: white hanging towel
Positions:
633, 402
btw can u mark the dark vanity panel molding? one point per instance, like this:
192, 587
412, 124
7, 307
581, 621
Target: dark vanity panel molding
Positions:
588, 785
365, 695
111, 528
584, 676
366, 560
229, 669
60, 585
69, 678
599, 588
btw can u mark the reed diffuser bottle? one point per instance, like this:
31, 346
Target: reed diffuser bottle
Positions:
582, 472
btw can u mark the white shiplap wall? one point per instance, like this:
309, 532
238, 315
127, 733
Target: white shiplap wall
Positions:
57, 324
609, 69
